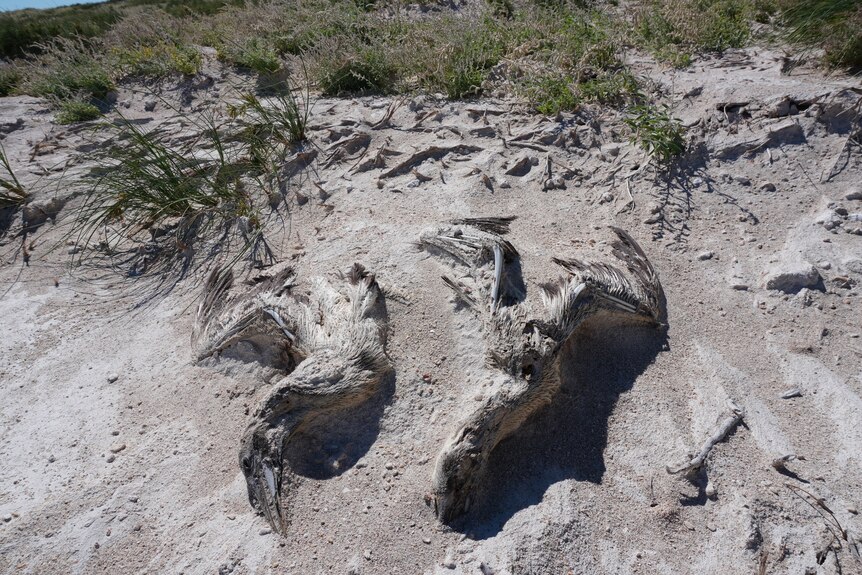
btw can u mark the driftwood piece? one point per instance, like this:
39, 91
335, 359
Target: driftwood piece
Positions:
727, 425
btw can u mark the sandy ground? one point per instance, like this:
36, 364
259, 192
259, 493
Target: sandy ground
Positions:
120, 454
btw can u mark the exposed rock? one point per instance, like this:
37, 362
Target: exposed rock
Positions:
792, 277
777, 107
853, 194
522, 166
707, 255
766, 187
829, 219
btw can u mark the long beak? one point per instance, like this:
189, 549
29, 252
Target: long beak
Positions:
264, 493
262, 464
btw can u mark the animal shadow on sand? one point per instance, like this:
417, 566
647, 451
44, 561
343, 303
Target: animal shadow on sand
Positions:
566, 439
333, 443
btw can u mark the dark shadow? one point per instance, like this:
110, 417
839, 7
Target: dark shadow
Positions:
787, 473
675, 197
699, 479
567, 439
7, 217
334, 443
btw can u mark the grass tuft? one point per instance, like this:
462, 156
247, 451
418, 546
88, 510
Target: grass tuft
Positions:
12, 193
68, 69
150, 186
74, 111
835, 25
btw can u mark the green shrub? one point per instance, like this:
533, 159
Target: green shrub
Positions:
675, 29
158, 60
610, 88
657, 132
73, 111
551, 95
9, 79
466, 62
365, 72
255, 54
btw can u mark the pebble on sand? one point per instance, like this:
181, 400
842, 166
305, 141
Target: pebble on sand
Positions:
113, 377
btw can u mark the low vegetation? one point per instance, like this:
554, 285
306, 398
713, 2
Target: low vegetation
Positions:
12, 193
833, 25
559, 55
657, 132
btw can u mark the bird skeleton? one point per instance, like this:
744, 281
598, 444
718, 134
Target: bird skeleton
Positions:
522, 351
332, 346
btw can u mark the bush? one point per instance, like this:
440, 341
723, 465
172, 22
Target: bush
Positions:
661, 135
9, 79
255, 54
367, 71
675, 29
158, 60
68, 69
551, 95
148, 183
73, 111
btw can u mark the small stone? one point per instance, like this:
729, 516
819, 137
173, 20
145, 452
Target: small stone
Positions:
739, 286
829, 219
149, 105
118, 447
653, 219
505, 184
73, 250
554, 183
449, 561
426, 540
825, 265
51, 459
606, 198
113, 377
110, 458
710, 490
703, 256
795, 392
7, 518
853, 194
414, 184
367, 554
850, 509
766, 187
389, 465
265, 531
